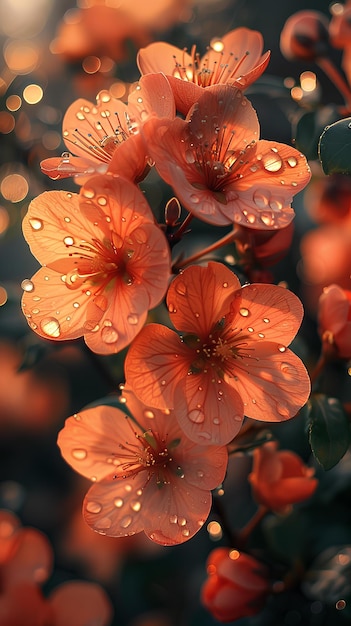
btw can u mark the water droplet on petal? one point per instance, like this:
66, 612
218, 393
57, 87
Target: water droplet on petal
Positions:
36, 223
118, 502
292, 161
68, 241
93, 507
289, 370
281, 348
173, 519
189, 156
79, 454
135, 505
181, 288
272, 163
200, 474
244, 312
266, 320
133, 319
196, 416
194, 198
50, 326
149, 414
260, 199
126, 521
27, 285
109, 334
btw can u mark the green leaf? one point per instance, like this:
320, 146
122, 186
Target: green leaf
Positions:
328, 430
309, 128
334, 148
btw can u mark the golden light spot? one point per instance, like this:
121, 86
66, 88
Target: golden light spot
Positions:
4, 220
91, 64
33, 94
308, 81
7, 122
118, 89
13, 102
217, 44
22, 57
296, 93
234, 555
107, 65
214, 529
3, 296
14, 187
337, 8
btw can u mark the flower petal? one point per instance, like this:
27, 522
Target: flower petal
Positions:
208, 411
152, 96
55, 312
67, 166
266, 312
31, 560
200, 297
160, 56
115, 507
79, 603
90, 440
175, 515
272, 382
155, 363
53, 226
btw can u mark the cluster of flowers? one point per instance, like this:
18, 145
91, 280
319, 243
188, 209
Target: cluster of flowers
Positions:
106, 262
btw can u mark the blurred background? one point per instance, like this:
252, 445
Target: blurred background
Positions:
53, 52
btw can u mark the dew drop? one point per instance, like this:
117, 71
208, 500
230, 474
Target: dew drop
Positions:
200, 474
261, 335
250, 329
135, 505
79, 454
126, 521
281, 348
185, 532
118, 502
109, 334
133, 319
181, 288
289, 370
266, 320
173, 519
27, 285
36, 223
267, 219
149, 414
260, 199
272, 163
93, 507
225, 285
292, 161
216, 420
194, 198
189, 156
244, 312
196, 416
68, 241
102, 200
50, 327
275, 205
181, 521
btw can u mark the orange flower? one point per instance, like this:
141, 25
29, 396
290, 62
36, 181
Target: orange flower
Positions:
237, 585
148, 476
305, 36
219, 168
235, 59
25, 563
105, 264
229, 361
95, 132
279, 478
334, 319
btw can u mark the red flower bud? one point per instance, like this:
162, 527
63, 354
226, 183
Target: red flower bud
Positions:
305, 36
334, 319
237, 585
280, 478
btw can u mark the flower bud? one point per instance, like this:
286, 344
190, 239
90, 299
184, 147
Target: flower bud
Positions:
280, 478
305, 36
334, 321
237, 585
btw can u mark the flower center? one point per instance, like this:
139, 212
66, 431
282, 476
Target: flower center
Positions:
199, 71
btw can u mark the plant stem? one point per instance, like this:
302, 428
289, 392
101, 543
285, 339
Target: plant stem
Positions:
336, 78
252, 524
